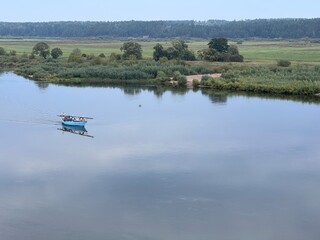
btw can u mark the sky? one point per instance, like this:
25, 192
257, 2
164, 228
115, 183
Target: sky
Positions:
122, 10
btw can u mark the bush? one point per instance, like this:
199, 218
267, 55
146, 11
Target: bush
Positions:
205, 78
90, 57
236, 58
24, 58
283, 63
114, 57
181, 79
163, 60
195, 83
13, 53
32, 56
75, 56
2, 51
162, 76
99, 60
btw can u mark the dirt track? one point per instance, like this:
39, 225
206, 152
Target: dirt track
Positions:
199, 77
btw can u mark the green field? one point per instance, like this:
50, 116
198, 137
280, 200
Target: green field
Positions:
284, 50
253, 51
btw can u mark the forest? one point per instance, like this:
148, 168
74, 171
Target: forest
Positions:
260, 28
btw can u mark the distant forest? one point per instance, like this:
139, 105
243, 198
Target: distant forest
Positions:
261, 28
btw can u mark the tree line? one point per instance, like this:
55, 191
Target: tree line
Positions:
260, 28
218, 51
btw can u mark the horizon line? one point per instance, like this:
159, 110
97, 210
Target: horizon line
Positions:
167, 20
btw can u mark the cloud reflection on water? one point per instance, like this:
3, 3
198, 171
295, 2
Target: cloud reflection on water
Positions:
246, 169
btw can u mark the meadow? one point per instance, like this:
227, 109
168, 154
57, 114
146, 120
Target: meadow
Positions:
255, 51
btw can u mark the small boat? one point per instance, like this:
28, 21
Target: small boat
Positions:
71, 120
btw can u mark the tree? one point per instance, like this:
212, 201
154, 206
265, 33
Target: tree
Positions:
158, 52
131, 48
172, 53
75, 55
56, 53
179, 50
179, 45
220, 51
182, 50
219, 44
42, 49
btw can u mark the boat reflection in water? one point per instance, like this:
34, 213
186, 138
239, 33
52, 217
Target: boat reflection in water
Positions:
79, 130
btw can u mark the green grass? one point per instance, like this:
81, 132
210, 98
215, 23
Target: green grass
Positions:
273, 51
253, 51
86, 46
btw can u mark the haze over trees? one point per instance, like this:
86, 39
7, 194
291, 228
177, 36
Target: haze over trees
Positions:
260, 28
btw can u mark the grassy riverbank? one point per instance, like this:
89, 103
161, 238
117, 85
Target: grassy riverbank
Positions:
138, 71
271, 79
259, 73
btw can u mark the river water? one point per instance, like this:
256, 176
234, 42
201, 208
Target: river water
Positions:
156, 165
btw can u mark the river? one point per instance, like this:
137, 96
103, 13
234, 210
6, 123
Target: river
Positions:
153, 165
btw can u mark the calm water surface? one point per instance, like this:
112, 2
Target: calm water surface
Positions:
192, 166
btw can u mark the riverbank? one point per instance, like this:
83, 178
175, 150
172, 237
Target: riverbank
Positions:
298, 79
301, 79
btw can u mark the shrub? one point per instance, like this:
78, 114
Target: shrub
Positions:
2, 51
195, 83
75, 55
205, 78
13, 53
114, 57
181, 79
283, 63
163, 60
90, 57
32, 56
162, 76
236, 58
24, 58
99, 60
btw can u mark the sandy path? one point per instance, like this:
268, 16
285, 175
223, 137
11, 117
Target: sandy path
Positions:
198, 77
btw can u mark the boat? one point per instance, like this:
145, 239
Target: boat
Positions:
71, 120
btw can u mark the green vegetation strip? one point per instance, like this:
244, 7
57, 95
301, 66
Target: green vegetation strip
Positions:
258, 74
296, 80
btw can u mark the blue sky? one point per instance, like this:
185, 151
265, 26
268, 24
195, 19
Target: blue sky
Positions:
119, 10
